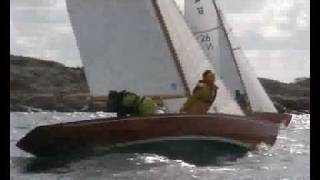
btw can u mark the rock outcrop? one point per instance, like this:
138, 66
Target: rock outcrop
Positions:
289, 96
46, 85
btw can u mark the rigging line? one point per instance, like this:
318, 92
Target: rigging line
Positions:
208, 30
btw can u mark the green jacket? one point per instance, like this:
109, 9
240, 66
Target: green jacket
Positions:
139, 106
124, 103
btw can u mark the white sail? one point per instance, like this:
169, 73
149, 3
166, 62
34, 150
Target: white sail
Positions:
259, 99
207, 25
144, 46
192, 59
123, 47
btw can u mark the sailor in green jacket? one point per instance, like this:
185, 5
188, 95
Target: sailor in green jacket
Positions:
128, 103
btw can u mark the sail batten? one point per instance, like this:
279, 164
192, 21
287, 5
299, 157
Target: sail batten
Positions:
208, 30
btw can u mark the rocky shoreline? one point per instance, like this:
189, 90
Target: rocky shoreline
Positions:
37, 85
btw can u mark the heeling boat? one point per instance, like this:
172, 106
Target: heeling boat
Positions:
145, 46
245, 131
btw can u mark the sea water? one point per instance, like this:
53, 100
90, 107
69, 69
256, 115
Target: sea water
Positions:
288, 159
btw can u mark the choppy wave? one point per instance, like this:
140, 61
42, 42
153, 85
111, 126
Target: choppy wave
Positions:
289, 158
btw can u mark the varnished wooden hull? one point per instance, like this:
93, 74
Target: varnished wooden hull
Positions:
245, 130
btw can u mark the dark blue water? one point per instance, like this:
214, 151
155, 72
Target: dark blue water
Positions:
288, 159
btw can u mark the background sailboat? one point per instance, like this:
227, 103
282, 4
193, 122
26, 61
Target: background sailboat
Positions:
208, 25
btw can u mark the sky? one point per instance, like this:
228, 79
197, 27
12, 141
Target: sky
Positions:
275, 34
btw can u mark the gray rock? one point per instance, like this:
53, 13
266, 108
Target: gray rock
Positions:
49, 85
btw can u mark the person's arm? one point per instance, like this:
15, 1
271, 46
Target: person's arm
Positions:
215, 91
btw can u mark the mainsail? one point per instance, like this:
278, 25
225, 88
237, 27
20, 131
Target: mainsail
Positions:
144, 46
122, 47
208, 25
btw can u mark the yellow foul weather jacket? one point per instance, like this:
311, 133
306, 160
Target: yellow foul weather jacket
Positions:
202, 98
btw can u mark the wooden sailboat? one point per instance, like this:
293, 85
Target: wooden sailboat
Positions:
152, 39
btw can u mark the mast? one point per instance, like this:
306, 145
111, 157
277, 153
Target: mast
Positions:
123, 46
207, 23
192, 58
258, 98
143, 46
171, 48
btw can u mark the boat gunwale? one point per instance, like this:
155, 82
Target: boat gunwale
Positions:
217, 116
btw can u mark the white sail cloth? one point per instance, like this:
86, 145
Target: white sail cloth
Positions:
192, 58
122, 47
259, 99
126, 44
208, 26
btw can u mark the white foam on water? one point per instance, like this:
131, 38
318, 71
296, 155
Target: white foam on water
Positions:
288, 158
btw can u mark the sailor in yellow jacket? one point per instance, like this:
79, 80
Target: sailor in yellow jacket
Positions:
203, 95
